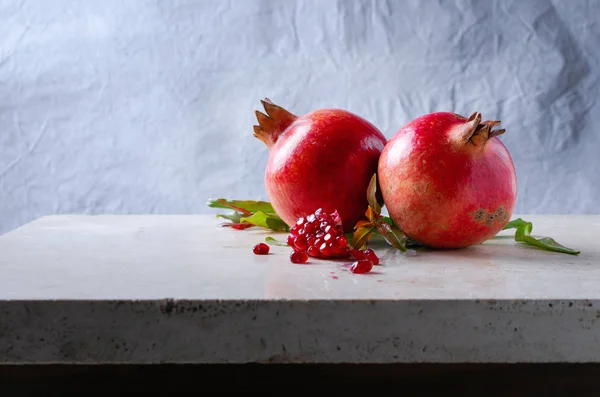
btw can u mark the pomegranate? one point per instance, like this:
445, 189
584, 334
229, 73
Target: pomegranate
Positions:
323, 159
448, 181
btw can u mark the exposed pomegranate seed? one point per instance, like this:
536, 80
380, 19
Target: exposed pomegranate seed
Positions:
338, 251
327, 237
314, 251
319, 242
239, 226
357, 254
298, 257
360, 267
341, 241
325, 250
291, 240
371, 256
261, 249
300, 243
311, 227
300, 221
301, 232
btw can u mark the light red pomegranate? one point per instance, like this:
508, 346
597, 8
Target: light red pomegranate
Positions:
448, 181
323, 159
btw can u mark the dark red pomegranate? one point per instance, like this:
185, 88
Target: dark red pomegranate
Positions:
447, 180
323, 159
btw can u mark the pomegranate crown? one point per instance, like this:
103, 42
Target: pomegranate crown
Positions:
272, 124
477, 132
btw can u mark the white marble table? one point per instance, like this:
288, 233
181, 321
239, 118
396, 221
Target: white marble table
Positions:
180, 289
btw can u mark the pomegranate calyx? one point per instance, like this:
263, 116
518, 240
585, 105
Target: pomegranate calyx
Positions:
272, 124
476, 132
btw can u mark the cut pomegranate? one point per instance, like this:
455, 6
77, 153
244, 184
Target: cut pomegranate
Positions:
320, 235
261, 249
298, 257
361, 267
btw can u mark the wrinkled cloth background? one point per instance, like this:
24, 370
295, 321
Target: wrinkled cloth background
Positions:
147, 106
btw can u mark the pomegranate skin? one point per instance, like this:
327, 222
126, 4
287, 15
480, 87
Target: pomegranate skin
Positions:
448, 181
323, 159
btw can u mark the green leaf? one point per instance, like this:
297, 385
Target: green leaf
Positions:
362, 235
233, 217
248, 206
393, 235
273, 241
372, 195
266, 221
388, 220
523, 235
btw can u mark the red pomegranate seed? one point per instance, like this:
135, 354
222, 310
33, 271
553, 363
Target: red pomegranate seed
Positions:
300, 243
360, 267
357, 254
240, 226
300, 222
320, 234
371, 256
327, 237
325, 250
314, 251
312, 240
339, 251
311, 227
290, 240
318, 242
298, 257
301, 232
341, 241
261, 249
311, 218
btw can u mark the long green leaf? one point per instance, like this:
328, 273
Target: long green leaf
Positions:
233, 217
273, 241
393, 235
362, 235
523, 235
372, 195
247, 205
266, 221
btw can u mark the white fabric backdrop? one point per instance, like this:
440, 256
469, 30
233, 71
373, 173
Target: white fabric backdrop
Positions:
147, 106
